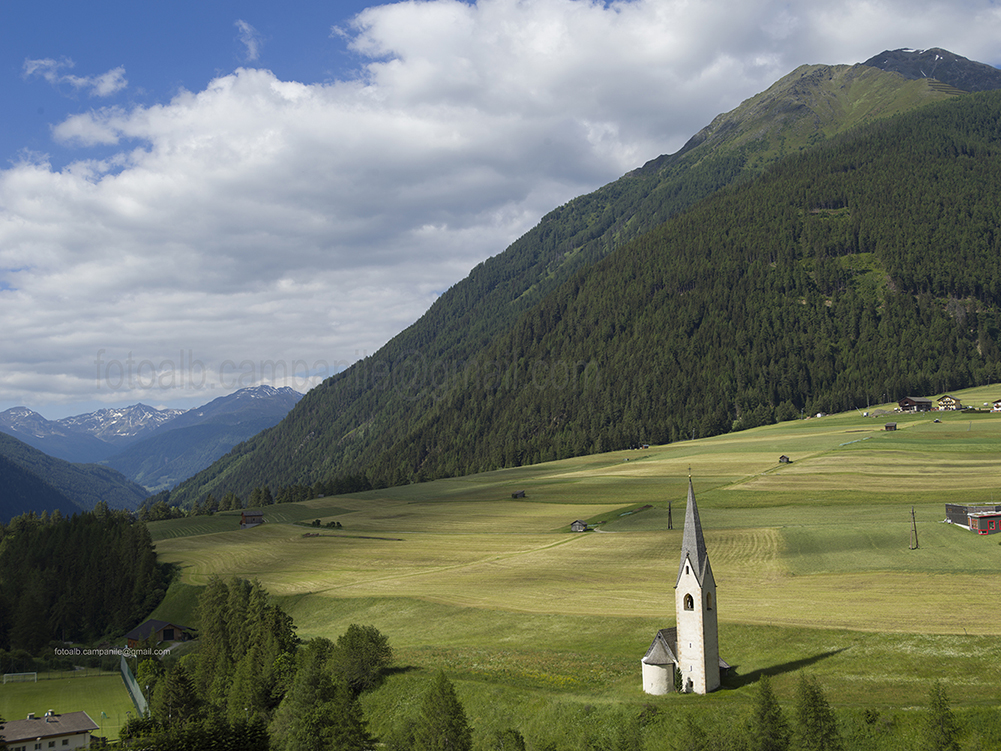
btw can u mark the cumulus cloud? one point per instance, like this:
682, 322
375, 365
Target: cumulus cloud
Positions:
102, 85
251, 39
264, 219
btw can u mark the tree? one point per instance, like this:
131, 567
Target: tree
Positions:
507, 740
817, 727
149, 673
769, 728
360, 656
319, 712
441, 720
940, 730
175, 701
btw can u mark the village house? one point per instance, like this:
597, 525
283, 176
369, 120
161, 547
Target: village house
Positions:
914, 404
984, 520
157, 630
949, 402
61, 731
251, 517
997, 406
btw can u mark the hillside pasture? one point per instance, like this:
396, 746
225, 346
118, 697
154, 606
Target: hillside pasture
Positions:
812, 561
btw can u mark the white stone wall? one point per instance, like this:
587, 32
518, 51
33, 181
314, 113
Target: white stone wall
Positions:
698, 648
658, 679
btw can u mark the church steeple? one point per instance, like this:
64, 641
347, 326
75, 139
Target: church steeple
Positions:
693, 544
695, 608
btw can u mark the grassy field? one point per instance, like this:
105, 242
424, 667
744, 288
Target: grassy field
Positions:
102, 697
811, 559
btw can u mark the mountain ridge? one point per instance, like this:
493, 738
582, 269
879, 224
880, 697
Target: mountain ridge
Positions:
36, 475
344, 424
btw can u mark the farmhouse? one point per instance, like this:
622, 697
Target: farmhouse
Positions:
914, 404
997, 406
251, 517
578, 526
949, 402
984, 520
688, 655
71, 730
158, 630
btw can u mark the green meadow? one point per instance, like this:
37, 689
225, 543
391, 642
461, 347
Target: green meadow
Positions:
102, 696
812, 560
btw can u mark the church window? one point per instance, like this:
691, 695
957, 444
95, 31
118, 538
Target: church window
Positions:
709, 600
687, 570
689, 602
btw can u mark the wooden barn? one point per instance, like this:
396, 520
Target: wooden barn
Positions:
914, 404
159, 631
578, 526
251, 517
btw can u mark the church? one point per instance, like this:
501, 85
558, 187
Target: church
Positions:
687, 657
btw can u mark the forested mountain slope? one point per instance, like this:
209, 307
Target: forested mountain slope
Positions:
22, 491
343, 426
861, 271
68, 487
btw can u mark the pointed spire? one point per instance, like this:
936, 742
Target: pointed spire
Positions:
693, 544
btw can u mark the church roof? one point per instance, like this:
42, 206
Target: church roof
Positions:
661, 652
693, 544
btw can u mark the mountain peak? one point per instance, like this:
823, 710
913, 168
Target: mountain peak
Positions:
942, 65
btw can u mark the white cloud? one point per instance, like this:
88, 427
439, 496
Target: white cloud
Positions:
251, 39
102, 85
267, 219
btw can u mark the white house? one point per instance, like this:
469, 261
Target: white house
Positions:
57, 731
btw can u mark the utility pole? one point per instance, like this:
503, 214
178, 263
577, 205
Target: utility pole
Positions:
914, 531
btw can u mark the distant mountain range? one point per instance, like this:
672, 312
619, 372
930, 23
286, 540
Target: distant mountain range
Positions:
153, 447
456, 392
193, 440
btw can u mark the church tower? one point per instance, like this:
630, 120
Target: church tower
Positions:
695, 606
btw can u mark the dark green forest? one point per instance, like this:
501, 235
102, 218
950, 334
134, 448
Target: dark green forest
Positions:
853, 274
78, 578
32, 480
860, 270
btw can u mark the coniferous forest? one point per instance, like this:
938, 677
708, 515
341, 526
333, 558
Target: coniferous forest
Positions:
77, 578
851, 275
857, 272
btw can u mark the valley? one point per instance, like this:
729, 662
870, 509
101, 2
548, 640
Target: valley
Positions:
811, 560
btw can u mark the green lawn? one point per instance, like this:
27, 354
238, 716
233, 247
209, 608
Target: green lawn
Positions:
102, 697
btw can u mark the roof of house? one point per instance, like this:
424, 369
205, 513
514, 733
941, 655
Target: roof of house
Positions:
144, 630
15, 731
693, 544
661, 652
917, 399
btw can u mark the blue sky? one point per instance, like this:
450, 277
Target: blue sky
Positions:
162, 46
262, 188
